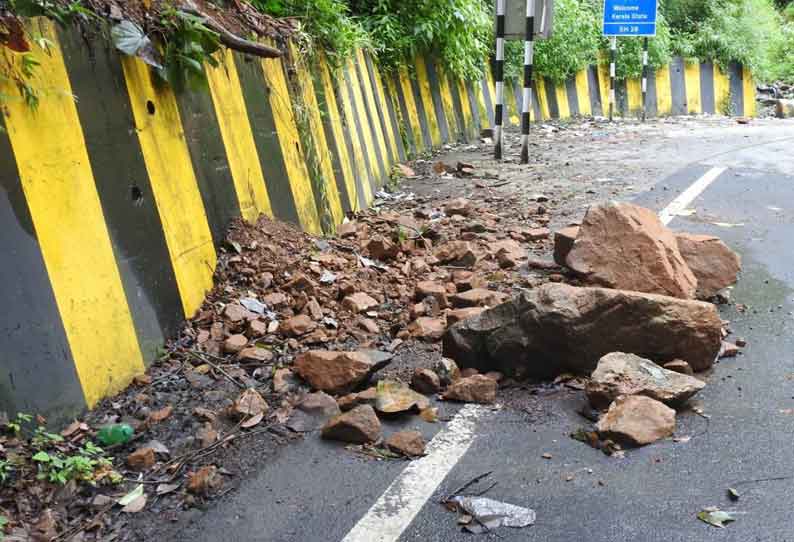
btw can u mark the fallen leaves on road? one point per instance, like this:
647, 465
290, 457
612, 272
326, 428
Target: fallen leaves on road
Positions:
715, 517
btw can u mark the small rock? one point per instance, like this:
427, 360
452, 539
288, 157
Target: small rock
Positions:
426, 328
429, 288
298, 325
257, 328
141, 459
456, 253
380, 248
406, 171
235, 343
728, 350
458, 206
425, 381
254, 354
474, 389
276, 299
447, 371
335, 372
637, 420
627, 374
395, 397
358, 426
456, 315
369, 325
477, 297
537, 234
313, 411
407, 443
346, 229
352, 400
234, 313
741, 343
359, 302
204, 480
563, 243
284, 380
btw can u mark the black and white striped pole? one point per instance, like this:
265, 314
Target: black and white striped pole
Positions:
526, 102
644, 77
613, 53
499, 76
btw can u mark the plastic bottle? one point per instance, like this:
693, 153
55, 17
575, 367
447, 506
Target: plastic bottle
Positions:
117, 433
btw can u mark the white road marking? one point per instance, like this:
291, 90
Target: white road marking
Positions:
688, 196
408, 493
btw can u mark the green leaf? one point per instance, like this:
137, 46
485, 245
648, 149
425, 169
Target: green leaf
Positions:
42, 457
715, 517
131, 496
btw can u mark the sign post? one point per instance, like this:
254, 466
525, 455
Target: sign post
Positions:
629, 18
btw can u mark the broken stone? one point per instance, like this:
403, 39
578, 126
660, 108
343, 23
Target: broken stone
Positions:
447, 371
300, 283
395, 397
406, 171
458, 206
298, 325
257, 328
248, 404
508, 253
626, 374
563, 243
358, 426
204, 480
472, 389
369, 325
254, 354
352, 400
679, 366
313, 411
141, 459
627, 247
235, 343
426, 328
466, 280
276, 299
284, 380
234, 313
469, 371
359, 302
382, 249
478, 297
557, 328
336, 372
429, 288
407, 443
536, 234
637, 420
314, 310
728, 350
457, 254
455, 316
346, 229
425, 381
714, 265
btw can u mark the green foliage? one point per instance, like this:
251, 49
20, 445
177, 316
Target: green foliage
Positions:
457, 32
60, 468
782, 55
57, 11
21, 419
188, 45
43, 439
5, 470
326, 23
574, 42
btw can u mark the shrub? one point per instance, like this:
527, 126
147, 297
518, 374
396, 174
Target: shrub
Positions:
782, 55
629, 62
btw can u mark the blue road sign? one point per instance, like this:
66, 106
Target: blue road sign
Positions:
630, 17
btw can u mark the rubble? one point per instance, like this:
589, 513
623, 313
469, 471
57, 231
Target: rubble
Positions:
357, 426
248, 403
313, 412
407, 443
447, 371
335, 372
395, 398
679, 366
626, 374
472, 389
141, 459
563, 243
425, 381
359, 302
714, 265
557, 328
626, 247
637, 420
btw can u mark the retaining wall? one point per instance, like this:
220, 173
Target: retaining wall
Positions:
116, 191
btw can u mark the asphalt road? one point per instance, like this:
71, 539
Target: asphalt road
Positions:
314, 491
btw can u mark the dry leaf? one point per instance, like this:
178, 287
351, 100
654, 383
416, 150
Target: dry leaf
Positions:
253, 421
136, 505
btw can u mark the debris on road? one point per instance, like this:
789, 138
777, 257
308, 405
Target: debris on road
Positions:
637, 420
483, 515
407, 443
714, 265
357, 426
472, 389
627, 374
715, 517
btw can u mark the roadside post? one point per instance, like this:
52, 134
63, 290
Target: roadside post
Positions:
629, 18
527, 20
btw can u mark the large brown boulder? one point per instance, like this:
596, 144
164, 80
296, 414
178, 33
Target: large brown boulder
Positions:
619, 374
336, 372
558, 328
627, 247
637, 420
714, 264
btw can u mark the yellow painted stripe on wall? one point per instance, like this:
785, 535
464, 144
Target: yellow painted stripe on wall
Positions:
61, 195
427, 100
291, 149
722, 90
543, 100
410, 105
748, 89
511, 104
448, 104
355, 142
391, 130
692, 83
664, 96
482, 108
238, 139
603, 87
369, 95
562, 101
322, 153
634, 95
378, 173
583, 93
465, 107
335, 121
174, 184
398, 115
